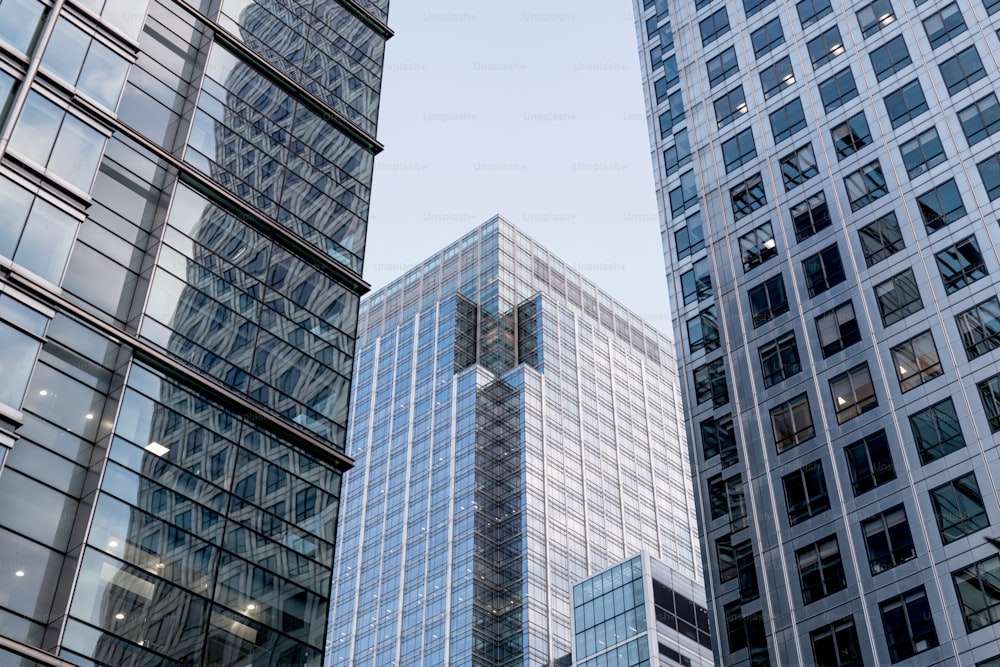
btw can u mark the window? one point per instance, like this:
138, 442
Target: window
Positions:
726, 499
941, 206
18, 348
838, 89
875, 16
660, 87
865, 185
35, 234
767, 38
810, 216
978, 592
768, 300
746, 632
748, 196
805, 493
779, 360
992, 7
869, 462
798, 167
58, 142
909, 624
821, 572
881, 239
853, 393
787, 120
777, 77
989, 393
718, 438
714, 26
823, 270
936, 431
944, 25
703, 331
730, 106
980, 328
922, 153
811, 11
690, 238
989, 171
916, 361
836, 645
837, 329
737, 561
758, 246
685, 195
959, 509
888, 540
739, 150
905, 104
751, 7
995, 660
960, 264
981, 119
696, 284
898, 297
962, 70
679, 154
890, 58
86, 64
710, 383
722, 66
825, 48
792, 423
19, 21
851, 136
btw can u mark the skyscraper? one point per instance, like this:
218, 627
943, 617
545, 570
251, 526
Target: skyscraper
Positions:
515, 431
183, 203
827, 174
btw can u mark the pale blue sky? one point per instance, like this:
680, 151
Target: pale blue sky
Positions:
527, 109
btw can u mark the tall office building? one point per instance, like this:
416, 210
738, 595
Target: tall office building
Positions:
515, 431
828, 174
183, 199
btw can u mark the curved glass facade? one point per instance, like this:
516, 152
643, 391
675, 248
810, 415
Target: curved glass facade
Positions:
184, 189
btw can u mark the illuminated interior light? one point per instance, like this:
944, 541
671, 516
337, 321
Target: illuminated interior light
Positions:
19, 573
156, 449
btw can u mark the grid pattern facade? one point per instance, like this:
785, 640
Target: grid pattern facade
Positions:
184, 193
515, 430
841, 220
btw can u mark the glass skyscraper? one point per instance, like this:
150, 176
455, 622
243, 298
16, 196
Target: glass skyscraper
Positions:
183, 205
515, 431
828, 174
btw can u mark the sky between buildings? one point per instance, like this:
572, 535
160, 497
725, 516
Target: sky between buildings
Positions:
530, 110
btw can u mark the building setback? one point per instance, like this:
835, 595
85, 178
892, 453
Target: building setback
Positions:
515, 431
827, 174
183, 204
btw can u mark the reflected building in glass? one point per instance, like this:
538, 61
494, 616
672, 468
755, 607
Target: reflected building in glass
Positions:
640, 613
828, 176
515, 431
184, 194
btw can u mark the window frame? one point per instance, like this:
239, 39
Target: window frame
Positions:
838, 89
886, 544
905, 98
851, 142
937, 431
822, 564
874, 452
798, 167
848, 331
938, 218
767, 291
857, 382
890, 58
757, 246
865, 185
902, 310
823, 270
766, 32
960, 264
960, 501
806, 495
792, 410
916, 365
922, 152
881, 245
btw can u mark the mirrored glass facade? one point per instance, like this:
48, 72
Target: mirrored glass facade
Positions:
859, 483
640, 613
184, 189
515, 431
